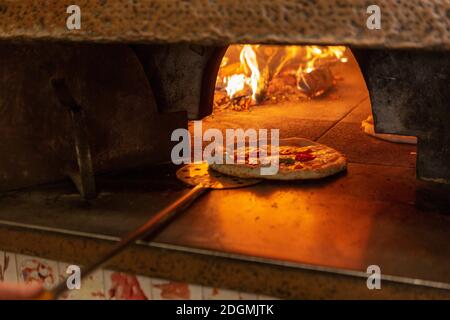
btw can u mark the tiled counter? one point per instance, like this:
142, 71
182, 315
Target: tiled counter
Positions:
107, 284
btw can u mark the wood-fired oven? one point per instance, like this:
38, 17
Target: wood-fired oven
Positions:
86, 118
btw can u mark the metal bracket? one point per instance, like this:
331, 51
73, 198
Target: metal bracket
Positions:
83, 178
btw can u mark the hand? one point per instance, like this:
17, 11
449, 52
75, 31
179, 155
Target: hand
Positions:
19, 291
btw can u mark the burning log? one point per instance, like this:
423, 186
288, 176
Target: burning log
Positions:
316, 82
253, 74
241, 103
236, 103
263, 84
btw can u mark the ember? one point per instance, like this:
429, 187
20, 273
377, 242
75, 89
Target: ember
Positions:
254, 74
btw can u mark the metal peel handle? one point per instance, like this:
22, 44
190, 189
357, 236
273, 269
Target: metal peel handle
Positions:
146, 230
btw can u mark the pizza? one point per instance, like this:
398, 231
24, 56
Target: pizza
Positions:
295, 162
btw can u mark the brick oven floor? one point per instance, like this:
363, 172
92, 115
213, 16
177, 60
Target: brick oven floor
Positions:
373, 214
287, 239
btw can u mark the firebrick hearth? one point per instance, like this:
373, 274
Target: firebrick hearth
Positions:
86, 127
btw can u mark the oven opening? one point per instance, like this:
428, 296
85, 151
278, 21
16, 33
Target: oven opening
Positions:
305, 91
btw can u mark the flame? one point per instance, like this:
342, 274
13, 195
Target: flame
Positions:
235, 83
315, 56
258, 64
249, 64
248, 59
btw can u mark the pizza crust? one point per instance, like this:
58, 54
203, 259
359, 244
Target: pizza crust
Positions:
327, 162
